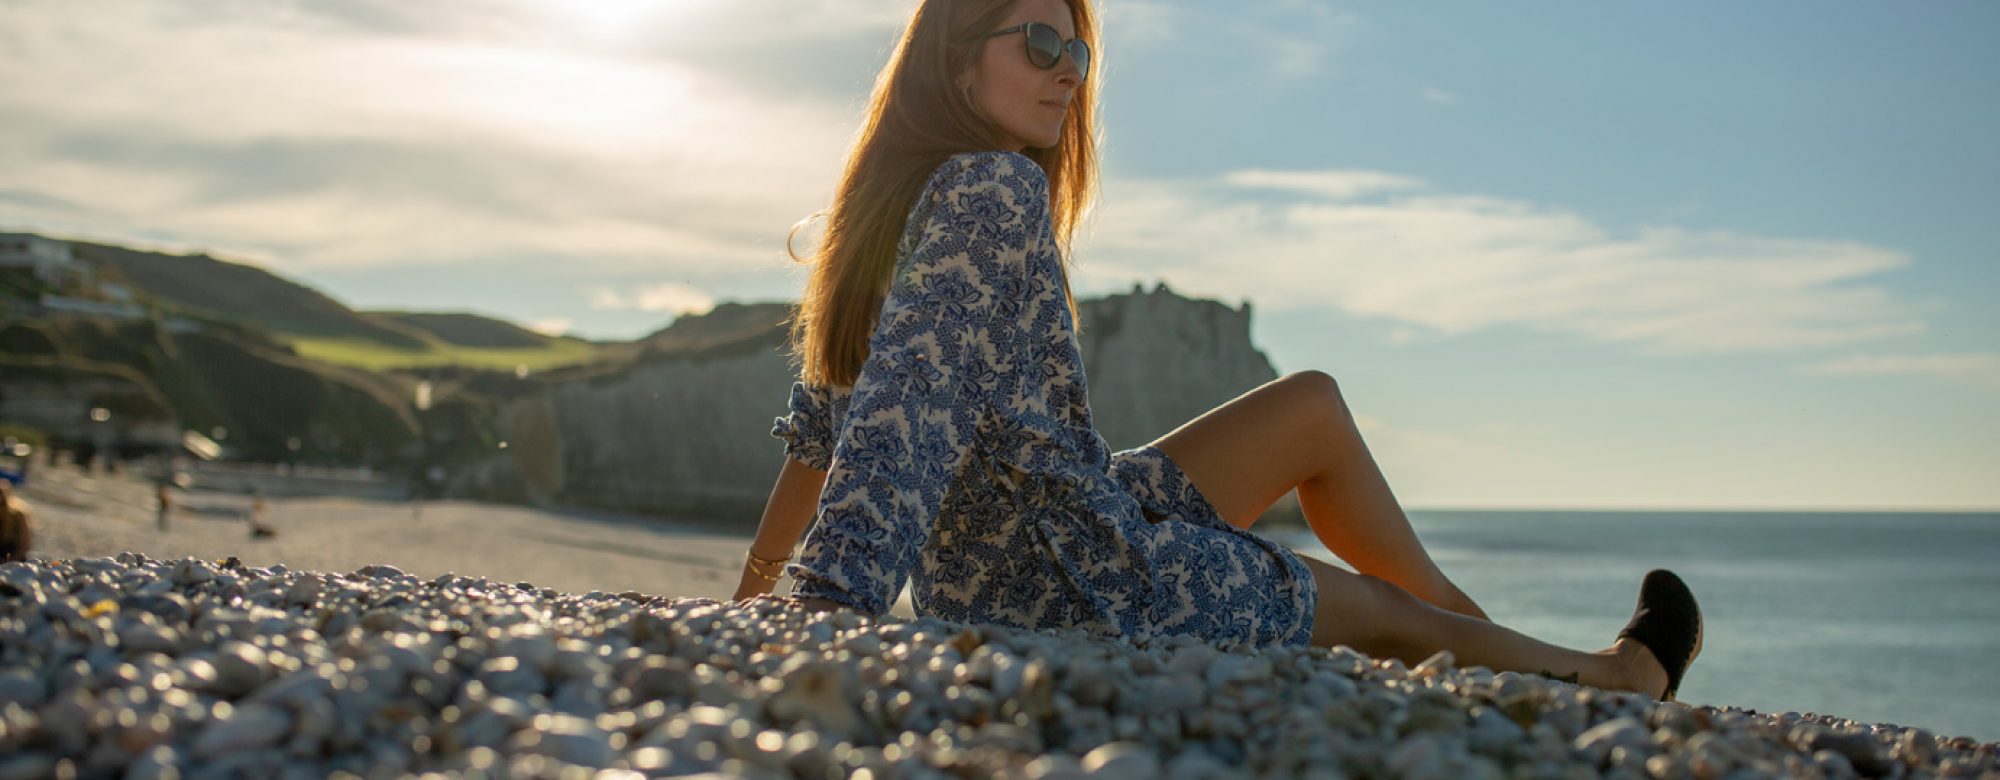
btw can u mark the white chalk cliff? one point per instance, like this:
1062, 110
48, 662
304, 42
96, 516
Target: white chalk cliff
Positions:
684, 431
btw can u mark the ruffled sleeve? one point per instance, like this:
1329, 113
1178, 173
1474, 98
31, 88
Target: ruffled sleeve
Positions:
808, 430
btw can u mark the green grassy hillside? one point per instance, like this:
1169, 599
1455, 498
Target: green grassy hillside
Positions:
319, 328
726, 323
465, 329
376, 356
243, 293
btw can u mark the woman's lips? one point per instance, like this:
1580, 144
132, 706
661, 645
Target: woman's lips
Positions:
1053, 104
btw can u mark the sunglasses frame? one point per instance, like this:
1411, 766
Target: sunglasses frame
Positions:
1063, 47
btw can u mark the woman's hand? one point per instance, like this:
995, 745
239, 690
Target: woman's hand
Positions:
810, 605
753, 583
786, 516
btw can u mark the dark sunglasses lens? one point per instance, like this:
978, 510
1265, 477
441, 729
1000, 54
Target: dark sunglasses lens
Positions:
1080, 51
1045, 45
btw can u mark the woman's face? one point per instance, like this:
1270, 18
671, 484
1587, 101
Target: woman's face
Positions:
1027, 104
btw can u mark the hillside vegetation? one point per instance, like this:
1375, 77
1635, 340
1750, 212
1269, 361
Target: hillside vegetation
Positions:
293, 374
255, 389
465, 329
376, 356
246, 294
320, 328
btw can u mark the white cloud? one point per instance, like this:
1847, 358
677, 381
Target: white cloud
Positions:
665, 296
360, 134
338, 135
1332, 185
1979, 368
551, 326
1293, 55
1436, 95
1447, 264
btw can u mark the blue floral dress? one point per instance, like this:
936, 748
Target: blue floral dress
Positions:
964, 461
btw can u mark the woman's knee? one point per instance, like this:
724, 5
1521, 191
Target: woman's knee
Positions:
1312, 381
1319, 394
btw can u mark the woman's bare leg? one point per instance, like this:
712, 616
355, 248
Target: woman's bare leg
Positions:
1381, 619
1297, 433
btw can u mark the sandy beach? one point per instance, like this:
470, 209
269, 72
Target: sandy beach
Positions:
87, 516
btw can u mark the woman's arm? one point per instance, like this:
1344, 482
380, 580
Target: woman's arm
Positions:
786, 515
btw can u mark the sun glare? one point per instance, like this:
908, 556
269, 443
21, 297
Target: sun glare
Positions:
548, 96
612, 18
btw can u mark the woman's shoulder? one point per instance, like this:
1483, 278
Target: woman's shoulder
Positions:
820, 391
1010, 170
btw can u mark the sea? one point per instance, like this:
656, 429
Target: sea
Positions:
1872, 617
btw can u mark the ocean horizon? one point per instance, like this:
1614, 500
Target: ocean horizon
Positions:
1883, 617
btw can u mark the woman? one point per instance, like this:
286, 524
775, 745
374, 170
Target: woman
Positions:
940, 433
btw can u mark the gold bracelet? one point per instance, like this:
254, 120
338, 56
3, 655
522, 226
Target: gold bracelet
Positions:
765, 561
753, 562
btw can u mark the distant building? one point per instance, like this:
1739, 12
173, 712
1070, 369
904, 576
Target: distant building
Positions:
54, 262
68, 305
49, 259
109, 407
115, 292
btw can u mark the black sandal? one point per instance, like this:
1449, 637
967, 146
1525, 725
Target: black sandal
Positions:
1667, 622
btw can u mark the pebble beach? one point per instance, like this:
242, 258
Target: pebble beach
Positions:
255, 659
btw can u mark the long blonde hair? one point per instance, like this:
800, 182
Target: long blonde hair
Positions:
917, 118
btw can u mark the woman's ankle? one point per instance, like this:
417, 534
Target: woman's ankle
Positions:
1643, 672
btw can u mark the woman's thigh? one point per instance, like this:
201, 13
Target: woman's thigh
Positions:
1246, 454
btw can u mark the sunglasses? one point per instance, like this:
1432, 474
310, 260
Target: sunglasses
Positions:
1046, 47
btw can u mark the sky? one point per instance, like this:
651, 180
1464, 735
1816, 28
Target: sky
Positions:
1558, 255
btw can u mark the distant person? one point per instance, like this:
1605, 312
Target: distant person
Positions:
17, 529
430, 483
163, 499
258, 530
416, 488
14, 469
941, 425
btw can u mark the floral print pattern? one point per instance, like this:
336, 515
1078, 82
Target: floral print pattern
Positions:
963, 459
